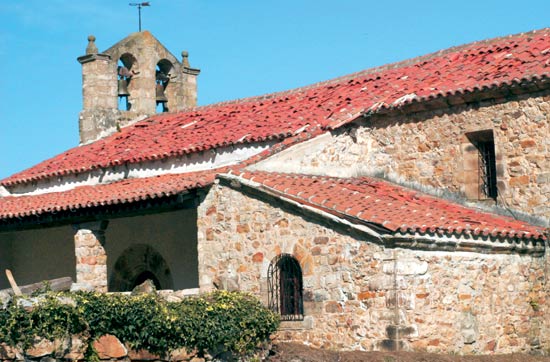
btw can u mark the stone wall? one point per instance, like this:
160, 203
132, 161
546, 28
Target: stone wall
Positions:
107, 347
359, 295
428, 148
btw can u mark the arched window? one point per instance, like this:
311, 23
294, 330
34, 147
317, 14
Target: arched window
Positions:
285, 288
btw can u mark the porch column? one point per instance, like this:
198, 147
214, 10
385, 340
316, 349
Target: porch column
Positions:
91, 259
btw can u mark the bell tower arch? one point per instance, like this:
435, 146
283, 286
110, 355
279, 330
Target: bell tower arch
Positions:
128, 81
127, 69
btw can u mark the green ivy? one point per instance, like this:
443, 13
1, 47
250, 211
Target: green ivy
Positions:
212, 323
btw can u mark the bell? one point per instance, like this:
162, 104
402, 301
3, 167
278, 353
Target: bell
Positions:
161, 97
123, 88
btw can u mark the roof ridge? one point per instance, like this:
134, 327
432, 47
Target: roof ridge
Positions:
368, 71
482, 66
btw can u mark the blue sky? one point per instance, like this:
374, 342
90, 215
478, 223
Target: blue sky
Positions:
243, 48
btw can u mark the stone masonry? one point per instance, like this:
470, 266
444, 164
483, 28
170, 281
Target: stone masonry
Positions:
141, 54
360, 295
427, 148
107, 348
91, 259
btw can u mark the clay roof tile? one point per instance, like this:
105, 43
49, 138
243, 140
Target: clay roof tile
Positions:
397, 208
325, 105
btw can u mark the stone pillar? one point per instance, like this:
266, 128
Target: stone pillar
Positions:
99, 93
91, 258
189, 82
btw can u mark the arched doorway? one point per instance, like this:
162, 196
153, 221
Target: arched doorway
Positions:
136, 264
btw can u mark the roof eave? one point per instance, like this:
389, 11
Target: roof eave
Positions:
430, 241
78, 213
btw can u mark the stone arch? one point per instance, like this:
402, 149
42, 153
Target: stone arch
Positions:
136, 264
285, 287
166, 66
127, 67
129, 61
164, 73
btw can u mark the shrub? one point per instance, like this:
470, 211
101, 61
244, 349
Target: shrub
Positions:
215, 323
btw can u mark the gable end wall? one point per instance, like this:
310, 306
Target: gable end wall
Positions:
362, 296
427, 148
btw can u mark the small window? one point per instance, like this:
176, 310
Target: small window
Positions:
487, 169
285, 288
484, 148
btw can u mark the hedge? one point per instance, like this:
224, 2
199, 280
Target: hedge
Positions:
213, 323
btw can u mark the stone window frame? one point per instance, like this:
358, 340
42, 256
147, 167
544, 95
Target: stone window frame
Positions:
285, 288
481, 170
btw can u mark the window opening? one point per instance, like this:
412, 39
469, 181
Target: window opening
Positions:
162, 77
487, 169
285, 288
124, 74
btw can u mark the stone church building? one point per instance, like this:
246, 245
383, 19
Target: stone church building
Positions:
401, 207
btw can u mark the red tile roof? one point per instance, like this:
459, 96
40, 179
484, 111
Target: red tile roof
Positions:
121, 192
477, 66
393, 207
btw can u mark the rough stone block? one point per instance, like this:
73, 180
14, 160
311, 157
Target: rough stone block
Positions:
313, 308
519, 181
142, 355
469, 328
5, 298
323, 240
108, 346
40, 348
182, 355
543, 178
70, 348
367, 295
333, 307
7, 352
405, 267
470, 177
386, 282
258, 257
383, 255
490, 346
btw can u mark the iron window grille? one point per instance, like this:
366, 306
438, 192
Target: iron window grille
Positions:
285, 288
487, 169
